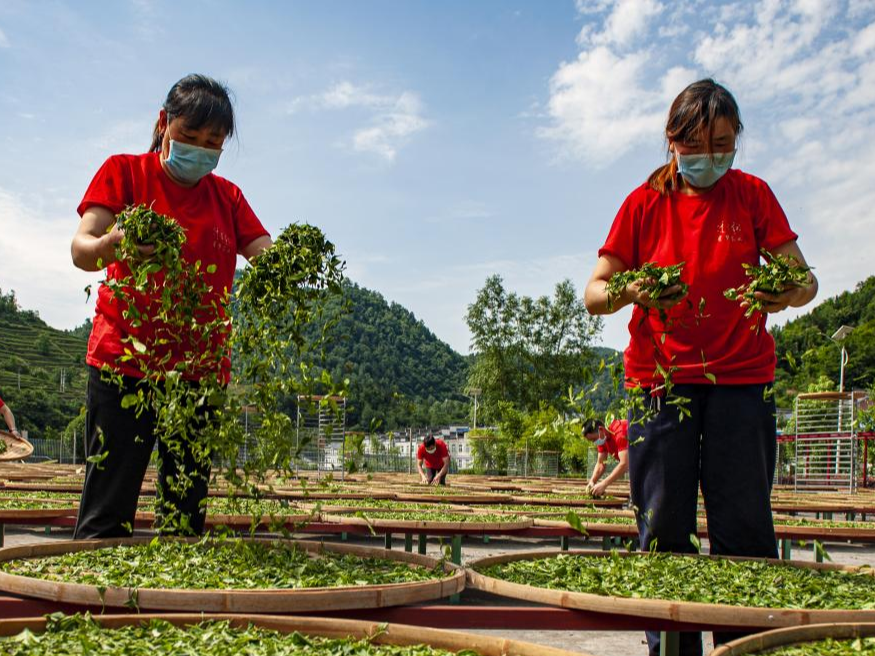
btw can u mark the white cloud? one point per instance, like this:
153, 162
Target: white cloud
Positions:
611, 98
4, 41
627, 22
35, 263
393, 119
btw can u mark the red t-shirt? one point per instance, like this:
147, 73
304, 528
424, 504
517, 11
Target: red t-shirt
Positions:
617, 439
713, 234
1, 403
434, 460
218, 224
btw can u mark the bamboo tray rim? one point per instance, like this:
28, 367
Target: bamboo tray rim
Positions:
381, 633
17, 448
679, 611
517, 525
233, 599
794, 635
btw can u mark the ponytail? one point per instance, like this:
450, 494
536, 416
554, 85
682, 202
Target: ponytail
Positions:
665, 178
157, 138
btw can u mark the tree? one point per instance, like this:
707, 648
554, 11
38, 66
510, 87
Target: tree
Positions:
528, 351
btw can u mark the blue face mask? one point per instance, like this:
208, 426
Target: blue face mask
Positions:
704, 170
600, 441
189, 163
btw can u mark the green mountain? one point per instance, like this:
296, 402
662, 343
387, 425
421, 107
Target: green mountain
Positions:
400, 373
42, 369
806, 354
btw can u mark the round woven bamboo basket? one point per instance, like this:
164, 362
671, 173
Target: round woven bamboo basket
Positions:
678, 611
17, 448
383, 634
278, 600
797, 635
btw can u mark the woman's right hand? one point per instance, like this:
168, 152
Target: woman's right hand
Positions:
95, 244
669, 297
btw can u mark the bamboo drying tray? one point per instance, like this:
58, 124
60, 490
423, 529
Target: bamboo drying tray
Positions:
225, 600
382, 634
678, 611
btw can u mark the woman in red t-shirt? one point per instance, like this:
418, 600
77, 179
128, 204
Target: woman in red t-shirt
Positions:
174, 178
697, 210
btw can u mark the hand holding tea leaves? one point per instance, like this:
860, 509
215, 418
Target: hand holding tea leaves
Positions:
770, 284
649, 286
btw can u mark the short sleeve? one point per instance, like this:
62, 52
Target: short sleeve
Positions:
1, 403
621, 241
445, 450
247, 225
111, 187
420, 452
771, 226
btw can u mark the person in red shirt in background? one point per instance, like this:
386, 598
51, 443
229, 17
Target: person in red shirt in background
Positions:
610, 441
698, 210
8, 418
174, 178
436, 456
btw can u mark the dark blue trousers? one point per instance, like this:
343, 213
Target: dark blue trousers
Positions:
120, 444
727, 447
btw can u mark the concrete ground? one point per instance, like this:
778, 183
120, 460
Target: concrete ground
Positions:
597, 643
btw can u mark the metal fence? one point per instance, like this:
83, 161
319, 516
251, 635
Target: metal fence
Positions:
533, 463
825, 454
45, 450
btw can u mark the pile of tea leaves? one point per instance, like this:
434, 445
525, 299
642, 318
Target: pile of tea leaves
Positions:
827, 647
436, 516
251, 506
654, 281
77, 634
686, 578
387, 504
778, 274
21, 503
216, 564
825, 523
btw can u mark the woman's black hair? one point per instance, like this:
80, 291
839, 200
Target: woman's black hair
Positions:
691, 117
428, 441
200, 101
592, 426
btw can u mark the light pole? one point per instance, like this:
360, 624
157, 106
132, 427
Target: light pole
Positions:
474, 392
839, 338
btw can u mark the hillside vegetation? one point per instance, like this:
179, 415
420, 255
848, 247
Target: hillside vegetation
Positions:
808, 358
35, 358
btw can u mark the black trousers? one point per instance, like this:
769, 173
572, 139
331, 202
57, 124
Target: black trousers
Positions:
119, 445
728, 448
431, 473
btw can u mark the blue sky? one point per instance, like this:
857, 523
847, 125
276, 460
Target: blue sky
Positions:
437, 143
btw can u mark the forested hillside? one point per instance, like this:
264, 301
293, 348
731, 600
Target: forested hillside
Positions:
399, 371
806, 353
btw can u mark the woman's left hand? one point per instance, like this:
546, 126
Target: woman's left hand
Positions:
777, 302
